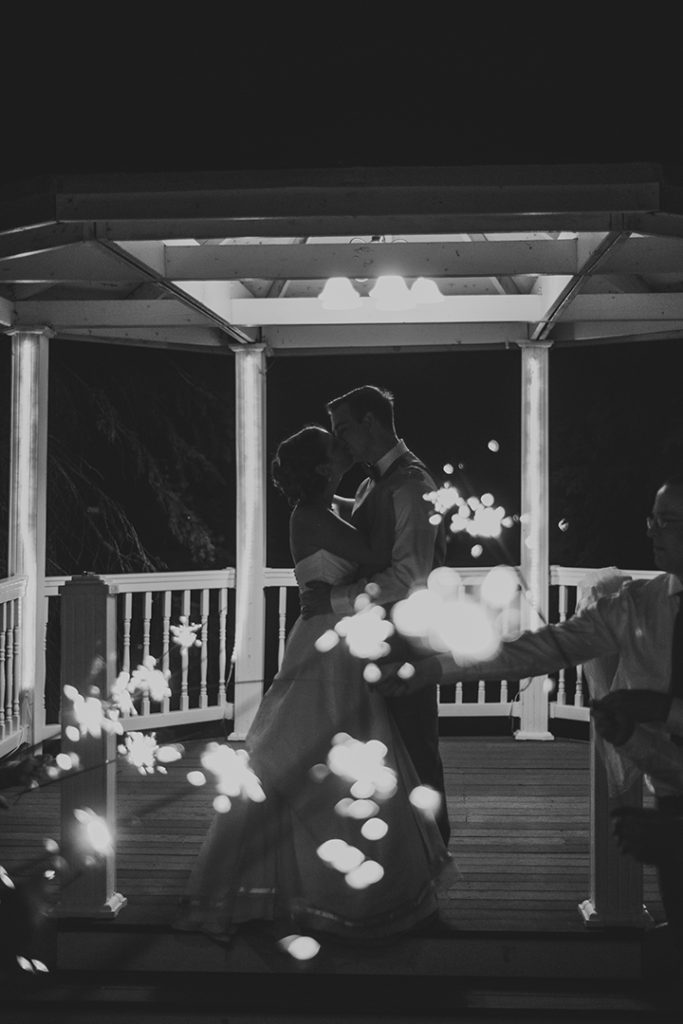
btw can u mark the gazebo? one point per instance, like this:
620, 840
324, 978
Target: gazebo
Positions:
524, 257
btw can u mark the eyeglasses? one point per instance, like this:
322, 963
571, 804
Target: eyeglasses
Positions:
658, 523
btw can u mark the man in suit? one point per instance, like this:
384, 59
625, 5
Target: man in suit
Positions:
641, 627
390, 509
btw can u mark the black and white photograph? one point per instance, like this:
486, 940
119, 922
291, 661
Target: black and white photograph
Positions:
341, 515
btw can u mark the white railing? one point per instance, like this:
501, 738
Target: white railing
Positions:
12, 593
150, 604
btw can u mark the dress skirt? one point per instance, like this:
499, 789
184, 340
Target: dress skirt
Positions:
332, 767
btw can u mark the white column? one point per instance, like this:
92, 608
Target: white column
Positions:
27, 511
88, 663
533, 700
250, 422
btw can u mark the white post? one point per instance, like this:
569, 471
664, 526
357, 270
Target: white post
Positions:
88, 664
250, 421
616, 879
27, 511
533, 702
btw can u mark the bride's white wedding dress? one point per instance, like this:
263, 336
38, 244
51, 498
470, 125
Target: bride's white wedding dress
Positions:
263, 860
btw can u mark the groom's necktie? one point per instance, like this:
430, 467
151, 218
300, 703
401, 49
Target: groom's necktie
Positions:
676, 688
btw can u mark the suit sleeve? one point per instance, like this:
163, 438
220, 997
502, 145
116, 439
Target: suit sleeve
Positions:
412, 555
590, 634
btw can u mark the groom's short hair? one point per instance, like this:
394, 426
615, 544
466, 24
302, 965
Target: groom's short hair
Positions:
368, 398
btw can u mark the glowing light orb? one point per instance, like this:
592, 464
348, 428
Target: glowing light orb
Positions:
327, 641
476, 551
425, 799
563, 525
444, 582
548, 685
406, 671
366, 632
374, 829
444, 498
342, 806
361, 809
231, 771
5, 879
348, 859
499, 586
196, 778
362, 763
31, 965
448, 468
366, 874
493, 446
72, 733
330, 849
412, 616
222, 803
96, 831
170, 752
300, 947
435, 519
372, 673
319, 772
185, 635
362, 789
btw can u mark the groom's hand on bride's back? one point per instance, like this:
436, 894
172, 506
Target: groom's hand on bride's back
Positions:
401, 678
315, 599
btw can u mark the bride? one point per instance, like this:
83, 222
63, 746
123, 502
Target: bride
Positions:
336, 847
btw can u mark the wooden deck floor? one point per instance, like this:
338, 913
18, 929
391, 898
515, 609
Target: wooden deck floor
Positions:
520, 834
520, 816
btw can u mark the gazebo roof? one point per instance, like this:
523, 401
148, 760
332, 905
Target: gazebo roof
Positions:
571, 254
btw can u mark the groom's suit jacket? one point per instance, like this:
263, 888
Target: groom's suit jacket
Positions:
393, 513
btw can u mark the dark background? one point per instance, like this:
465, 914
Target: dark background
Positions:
102, 92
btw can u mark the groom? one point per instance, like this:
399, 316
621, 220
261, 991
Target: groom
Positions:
390, 510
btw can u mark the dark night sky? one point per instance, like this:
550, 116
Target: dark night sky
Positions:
111, 94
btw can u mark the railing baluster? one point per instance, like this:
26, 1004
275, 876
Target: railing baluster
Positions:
222, 644
3, 678
562, 615
10, 660
166, 642
281, 625
127, 616
146, 624
503, 698
184, 661
204, 662
481, 692
579, 693
458, 692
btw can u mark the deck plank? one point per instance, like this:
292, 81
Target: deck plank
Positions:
519, 813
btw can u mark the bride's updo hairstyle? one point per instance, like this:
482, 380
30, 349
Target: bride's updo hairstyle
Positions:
293, 470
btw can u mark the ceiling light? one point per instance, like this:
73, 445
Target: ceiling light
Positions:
391, 293
339, 293
425, 291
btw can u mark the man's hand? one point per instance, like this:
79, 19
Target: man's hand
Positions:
640, 705
315, 599
414, 676
613, 724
